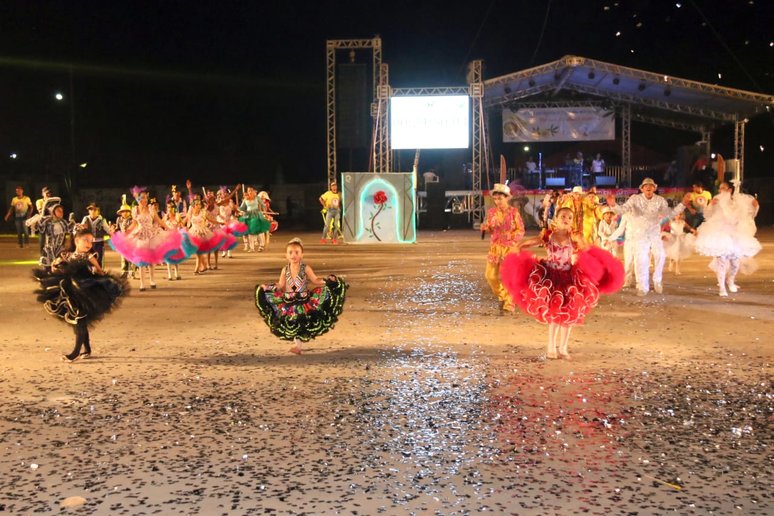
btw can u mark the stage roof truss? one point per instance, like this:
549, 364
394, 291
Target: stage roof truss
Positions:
631, 86
418, 92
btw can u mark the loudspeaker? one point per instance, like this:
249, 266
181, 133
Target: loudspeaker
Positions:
352, 106
434, 217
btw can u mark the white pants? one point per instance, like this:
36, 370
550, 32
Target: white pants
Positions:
644, 247
629, 253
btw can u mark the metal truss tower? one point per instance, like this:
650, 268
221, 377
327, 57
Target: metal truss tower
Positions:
480, 143
381, 153
331, 46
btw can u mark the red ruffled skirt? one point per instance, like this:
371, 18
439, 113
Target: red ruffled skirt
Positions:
557, 296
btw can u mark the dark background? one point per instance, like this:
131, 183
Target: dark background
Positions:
235, 91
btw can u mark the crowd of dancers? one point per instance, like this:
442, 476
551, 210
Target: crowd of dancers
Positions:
582, 235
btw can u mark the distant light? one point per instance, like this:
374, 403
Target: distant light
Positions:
14, 155
666, 78
771, 44
618, 33
526, 148
678, 5
639, 24
720, 76
632, 51
84, 165
762, 149
58, 96
713, 155
606, 8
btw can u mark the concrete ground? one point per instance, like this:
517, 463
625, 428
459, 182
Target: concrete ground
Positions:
423, 399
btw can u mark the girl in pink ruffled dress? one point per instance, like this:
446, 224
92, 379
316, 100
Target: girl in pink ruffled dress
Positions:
562, 288
200, 233
146, 241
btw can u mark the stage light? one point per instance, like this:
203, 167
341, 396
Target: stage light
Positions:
667, 92
84, 165
532, 83
713, 155
762, 149
58, 96
618, 33
591, 75
678, 5
616, 81
507, 89
526, 148
14, 155
641, 86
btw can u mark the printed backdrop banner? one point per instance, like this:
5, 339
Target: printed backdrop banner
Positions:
558, 124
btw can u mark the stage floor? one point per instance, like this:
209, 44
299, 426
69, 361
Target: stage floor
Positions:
422, 399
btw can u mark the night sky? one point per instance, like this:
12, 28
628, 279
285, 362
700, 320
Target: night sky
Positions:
226, 91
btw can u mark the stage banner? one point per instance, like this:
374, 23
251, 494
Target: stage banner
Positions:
558, 124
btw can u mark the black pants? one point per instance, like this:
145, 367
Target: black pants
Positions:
99, 248
81, 340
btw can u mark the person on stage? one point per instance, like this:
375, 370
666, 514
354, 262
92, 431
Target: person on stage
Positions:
647, 210
505, 227
79, 292
561, 289
300, 306
331, 210
728, 236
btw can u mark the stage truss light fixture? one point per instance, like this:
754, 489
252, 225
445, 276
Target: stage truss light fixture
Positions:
616, 81
532, 83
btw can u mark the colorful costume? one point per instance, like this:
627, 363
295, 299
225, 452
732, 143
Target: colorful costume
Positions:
506, 228
200, 236
555, 289
253, 216
147, 244
299, 313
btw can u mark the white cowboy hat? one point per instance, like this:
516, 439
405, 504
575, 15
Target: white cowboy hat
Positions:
500, 188
264, 195
577, 189
648, 181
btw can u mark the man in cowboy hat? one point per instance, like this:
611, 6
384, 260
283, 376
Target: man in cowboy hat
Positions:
505, 226
646, 211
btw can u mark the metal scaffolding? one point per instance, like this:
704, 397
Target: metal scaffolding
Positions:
480, 145
331, 46
739, 146
626, 141
381, 153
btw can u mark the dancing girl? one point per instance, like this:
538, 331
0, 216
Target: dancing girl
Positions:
146, 242
79, 292
560, 290
300, 306
728, 235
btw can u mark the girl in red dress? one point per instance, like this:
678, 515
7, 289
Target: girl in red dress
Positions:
562, 288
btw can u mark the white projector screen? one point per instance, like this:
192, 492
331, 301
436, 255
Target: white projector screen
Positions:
432, 122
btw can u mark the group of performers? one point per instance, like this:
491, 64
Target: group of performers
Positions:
581, 240
559, 290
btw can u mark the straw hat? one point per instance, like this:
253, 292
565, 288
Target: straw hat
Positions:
648, 181
608, 209
264, 195
577, 189
500, 188
124, 206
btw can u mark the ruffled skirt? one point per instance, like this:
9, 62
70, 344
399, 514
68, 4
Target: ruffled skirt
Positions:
205, 241
557, 296
146, 251
256, 223
302, 316
679, 247
76, 295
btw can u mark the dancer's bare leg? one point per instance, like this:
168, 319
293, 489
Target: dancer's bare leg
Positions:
564, 339
553, 330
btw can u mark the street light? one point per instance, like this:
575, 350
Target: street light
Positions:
84, 165
59, 96
14, 155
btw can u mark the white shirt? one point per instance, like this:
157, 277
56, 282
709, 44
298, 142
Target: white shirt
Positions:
598, 166
647, 214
